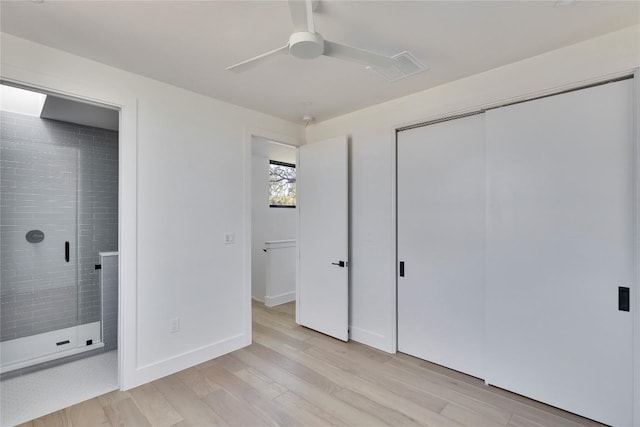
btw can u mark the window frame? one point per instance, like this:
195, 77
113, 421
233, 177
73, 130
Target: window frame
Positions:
290, 165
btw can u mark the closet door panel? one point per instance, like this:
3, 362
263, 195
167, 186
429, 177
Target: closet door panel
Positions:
441, 186
560, 241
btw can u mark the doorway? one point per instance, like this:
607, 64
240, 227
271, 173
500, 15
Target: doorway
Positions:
320, 259
274, 221
59, 227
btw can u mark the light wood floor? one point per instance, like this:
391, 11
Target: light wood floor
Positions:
292, 376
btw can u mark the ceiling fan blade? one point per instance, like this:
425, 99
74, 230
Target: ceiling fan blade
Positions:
260, 59
302, 15
349, 53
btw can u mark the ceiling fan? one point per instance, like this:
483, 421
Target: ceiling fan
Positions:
306, 43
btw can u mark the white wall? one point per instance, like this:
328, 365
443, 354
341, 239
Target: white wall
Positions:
267, 223
372, 132
181, 187
282, 258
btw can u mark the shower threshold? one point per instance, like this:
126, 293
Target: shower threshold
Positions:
28, 351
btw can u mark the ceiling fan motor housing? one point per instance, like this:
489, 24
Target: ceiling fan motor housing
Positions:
306, 45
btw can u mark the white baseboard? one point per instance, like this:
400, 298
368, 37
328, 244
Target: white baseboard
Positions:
162, 368
371, 339
279, 299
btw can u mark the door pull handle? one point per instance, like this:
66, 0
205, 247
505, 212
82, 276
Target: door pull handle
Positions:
341, 263
66, 251
623, 299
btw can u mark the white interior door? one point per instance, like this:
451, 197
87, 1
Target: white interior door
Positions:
560, 242
441, 220
323, 279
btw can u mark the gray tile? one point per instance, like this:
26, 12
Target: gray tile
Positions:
63, 179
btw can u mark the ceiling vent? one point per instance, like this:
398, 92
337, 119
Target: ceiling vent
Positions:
407, 65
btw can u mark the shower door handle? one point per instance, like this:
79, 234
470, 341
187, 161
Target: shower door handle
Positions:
66, 251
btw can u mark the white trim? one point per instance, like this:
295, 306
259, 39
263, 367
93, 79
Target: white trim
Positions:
170, 365
247, 244
349, 256
276, 244
392, 342
298, 249
279, 299
518, 98
249, 134
128, 246
484, 261
635, 287
115, 253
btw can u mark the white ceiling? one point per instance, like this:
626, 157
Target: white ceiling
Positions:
189, 44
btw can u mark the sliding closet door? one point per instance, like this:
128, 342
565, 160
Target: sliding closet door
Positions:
559, 245
441, 220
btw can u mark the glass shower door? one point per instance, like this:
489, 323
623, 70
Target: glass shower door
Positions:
39, 250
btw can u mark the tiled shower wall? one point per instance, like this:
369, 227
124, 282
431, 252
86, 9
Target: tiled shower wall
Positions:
60, 178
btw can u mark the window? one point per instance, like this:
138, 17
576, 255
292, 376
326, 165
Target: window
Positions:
282, 184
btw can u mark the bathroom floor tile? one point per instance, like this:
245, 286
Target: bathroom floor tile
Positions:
30, 396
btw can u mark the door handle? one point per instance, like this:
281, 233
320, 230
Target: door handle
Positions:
66, 251
341, 263
401, 268
623, 298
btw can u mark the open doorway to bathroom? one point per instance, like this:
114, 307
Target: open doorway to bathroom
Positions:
274, 222
58, 253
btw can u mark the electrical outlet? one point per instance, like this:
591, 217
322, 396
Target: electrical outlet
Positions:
174, 325
229, 238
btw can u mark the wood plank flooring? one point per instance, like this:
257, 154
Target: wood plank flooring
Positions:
292, 376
